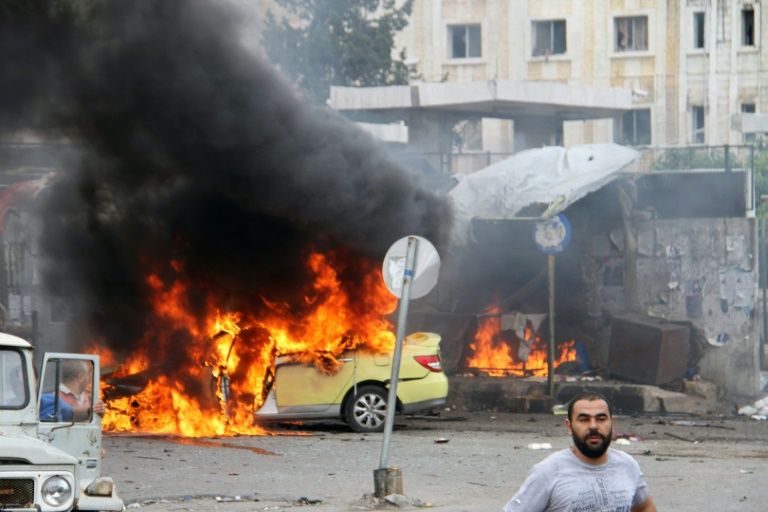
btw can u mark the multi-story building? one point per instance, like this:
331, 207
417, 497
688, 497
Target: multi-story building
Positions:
693, 66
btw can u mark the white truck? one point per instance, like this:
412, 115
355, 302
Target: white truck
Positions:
51, 464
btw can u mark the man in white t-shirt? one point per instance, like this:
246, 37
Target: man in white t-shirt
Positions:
589, 476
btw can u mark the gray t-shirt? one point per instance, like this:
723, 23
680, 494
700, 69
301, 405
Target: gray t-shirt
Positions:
564, 483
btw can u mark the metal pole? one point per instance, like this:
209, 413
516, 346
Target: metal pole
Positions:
551, 354
763, 282
402, 316
752, 204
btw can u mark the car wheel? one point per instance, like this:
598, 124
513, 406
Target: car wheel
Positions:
367, 410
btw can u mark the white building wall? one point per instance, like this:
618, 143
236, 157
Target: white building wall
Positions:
670, 76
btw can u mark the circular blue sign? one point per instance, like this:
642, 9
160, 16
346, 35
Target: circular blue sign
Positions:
553, 235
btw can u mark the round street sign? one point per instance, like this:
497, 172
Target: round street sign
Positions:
425, 269
553, 235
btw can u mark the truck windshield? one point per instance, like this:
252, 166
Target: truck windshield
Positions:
14, 392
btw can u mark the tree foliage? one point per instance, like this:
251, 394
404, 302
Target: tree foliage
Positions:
319, 43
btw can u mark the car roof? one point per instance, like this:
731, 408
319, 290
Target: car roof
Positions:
13, 341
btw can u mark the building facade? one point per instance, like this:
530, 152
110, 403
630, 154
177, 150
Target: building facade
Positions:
693, 66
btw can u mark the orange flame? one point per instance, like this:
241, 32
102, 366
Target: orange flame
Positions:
226, 359
493, 355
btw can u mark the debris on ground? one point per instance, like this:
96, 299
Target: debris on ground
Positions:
371, 502
559, 409
621, 436
681, 438
688, 423
308, 501
756, 411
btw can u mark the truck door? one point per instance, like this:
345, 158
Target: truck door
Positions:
68, 389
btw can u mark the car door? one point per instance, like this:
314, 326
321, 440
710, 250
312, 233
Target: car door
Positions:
305, 386
78, 436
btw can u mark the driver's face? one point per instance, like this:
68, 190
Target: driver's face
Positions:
82, 382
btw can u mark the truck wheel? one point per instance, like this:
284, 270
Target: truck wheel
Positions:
367, 410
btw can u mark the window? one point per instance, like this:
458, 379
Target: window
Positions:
13, 380
464, 41
748, 108
631, 34
14, 264
697, 122
66, 391
467, 135
748, 26
636, 127
548, 37
698, 30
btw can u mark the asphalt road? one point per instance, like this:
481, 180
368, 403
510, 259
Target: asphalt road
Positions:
691, 464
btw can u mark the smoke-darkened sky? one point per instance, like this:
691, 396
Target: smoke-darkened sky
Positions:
194, 150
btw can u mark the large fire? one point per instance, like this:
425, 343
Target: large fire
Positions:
203, 377
492, 354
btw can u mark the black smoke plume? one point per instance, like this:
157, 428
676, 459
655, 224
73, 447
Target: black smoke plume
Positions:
197, 160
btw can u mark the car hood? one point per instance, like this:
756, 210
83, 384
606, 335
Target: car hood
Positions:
18, 446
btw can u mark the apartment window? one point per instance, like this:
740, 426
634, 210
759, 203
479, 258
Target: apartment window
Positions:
697, 122
636, 127
467, 135
14, 264
748, 26
464, 41
631, 34
698, 30
748, 108
548, 37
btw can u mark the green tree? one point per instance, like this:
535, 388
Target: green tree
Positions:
319, 43
761, 182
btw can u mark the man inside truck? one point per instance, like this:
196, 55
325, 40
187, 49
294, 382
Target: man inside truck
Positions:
74, 398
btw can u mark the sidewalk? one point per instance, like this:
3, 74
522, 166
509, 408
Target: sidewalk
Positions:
530, 395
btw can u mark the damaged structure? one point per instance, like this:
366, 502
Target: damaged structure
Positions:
664, 234
687, 253
27, 309
658, 284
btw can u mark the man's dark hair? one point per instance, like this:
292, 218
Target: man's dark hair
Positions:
590, 396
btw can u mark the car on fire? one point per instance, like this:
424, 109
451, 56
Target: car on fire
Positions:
357, 391
49, 465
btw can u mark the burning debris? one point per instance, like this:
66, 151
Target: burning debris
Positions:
493, 350
212, 220
228, 358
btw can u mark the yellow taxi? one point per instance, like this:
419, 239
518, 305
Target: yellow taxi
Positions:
357, 392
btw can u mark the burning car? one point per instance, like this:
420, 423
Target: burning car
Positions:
357, 391
50, 465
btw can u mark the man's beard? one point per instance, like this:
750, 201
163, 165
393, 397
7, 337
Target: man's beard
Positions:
587, 450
